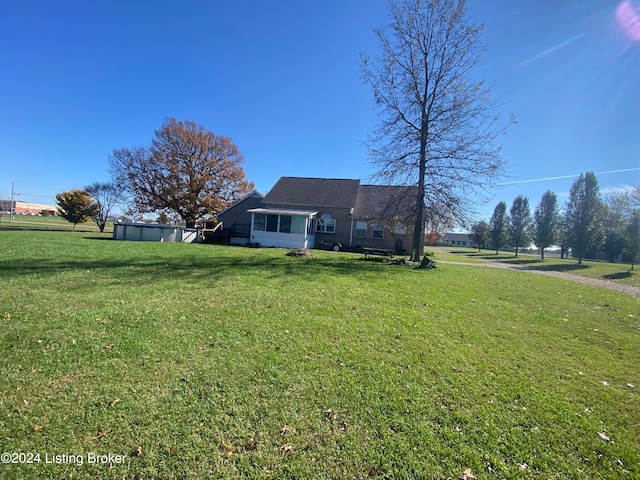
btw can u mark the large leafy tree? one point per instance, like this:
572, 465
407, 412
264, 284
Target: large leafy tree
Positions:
546, 222
520, 223
632, 244
620, 207
187, 170
499, 226
439, 130
584, 215
75, 206
480, 234
106, 197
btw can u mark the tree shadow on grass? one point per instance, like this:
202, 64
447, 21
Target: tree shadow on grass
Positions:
139, 265
520, 261
569, 267
618, 276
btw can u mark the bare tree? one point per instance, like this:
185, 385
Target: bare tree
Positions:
439, 130
106, 197
187, 170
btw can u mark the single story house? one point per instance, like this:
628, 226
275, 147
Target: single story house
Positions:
457, 239
336, 213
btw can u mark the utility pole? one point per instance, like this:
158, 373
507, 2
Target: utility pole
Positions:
11, 206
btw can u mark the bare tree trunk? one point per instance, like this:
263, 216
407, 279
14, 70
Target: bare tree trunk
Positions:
418, 229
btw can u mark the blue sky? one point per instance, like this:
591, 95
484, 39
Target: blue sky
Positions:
281, 79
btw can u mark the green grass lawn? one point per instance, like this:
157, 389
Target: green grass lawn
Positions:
202, 361
619, 272
35, 222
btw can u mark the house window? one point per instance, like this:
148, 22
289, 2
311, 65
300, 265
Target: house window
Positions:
285, 223
361, 229
272, 223
326, 224
259, 222
378, 231
399, 229
297, 225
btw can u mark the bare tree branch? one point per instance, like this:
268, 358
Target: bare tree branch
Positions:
438, 129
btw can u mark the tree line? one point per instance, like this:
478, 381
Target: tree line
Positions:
585, 226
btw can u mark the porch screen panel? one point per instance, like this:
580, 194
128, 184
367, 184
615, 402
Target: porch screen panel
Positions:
259, 221
272, 223
297, 224
285, 223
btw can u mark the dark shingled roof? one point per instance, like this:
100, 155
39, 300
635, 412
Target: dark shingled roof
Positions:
379, 202
300, 191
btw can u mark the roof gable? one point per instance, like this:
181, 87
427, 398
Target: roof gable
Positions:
320, 192
253, 194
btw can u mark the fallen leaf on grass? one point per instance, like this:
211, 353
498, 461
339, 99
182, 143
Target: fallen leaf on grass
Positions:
284, 430
467, 475
330, 414
251, 444
102, 433
631, 385
227, 448
604, 436
138, 451
114, 402
173, 451
37, 428
287, 448
110, 346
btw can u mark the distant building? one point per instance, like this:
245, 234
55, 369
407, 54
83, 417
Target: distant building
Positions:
29, 208
457, 239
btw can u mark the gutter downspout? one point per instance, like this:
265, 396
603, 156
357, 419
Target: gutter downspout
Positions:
351, 229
